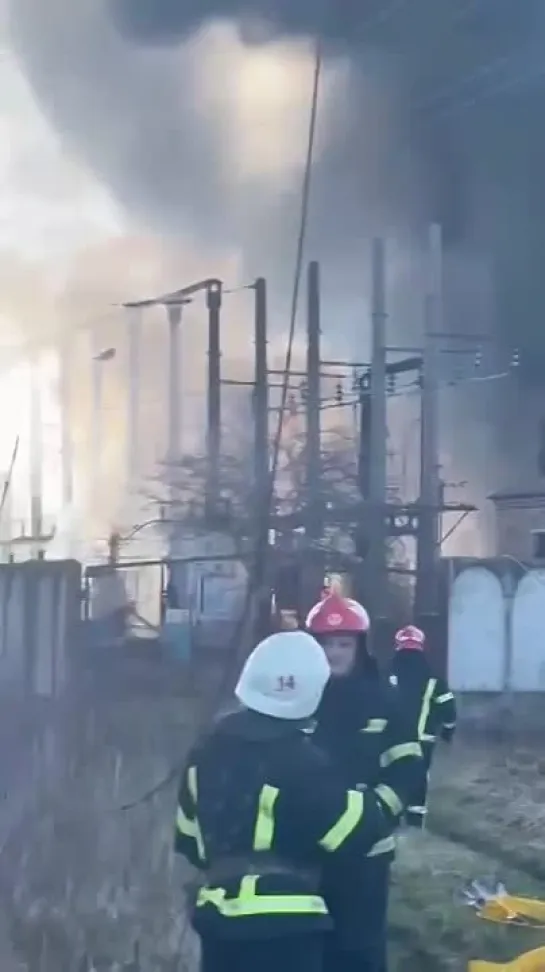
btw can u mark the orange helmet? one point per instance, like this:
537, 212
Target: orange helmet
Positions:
337, 615
410, 637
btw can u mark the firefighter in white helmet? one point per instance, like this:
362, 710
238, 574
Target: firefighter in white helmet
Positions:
427, 703
260, 810
360, 729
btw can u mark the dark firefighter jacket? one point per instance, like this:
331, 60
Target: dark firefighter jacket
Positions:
426, 701
259, 811
360, 728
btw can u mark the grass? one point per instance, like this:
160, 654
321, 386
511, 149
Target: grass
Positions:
90, 883
486, 821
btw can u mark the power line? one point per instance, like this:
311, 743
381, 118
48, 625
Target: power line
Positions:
305, 199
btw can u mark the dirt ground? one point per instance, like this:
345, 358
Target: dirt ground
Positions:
90, 882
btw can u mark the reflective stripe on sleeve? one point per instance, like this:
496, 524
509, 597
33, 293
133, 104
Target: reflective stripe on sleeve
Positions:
390, 798
446, 697
187, 826
426, 706
449, 725
408, 750
264, 825
346, 823
374, 725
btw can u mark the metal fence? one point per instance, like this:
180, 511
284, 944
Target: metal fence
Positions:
39, 623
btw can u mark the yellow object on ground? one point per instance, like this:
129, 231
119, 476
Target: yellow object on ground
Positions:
533, 961
511, 910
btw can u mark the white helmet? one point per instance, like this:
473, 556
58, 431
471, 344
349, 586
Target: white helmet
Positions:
285, 676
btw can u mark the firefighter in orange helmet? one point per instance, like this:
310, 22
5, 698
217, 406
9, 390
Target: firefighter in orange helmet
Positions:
427, 703
358, 726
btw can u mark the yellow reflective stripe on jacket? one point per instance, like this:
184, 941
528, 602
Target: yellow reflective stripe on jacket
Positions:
384, 846
408, 750
446, 697
189, 827
264, 825
185, 825
346, 823
250, 902
427, 700
390, 798
374, 725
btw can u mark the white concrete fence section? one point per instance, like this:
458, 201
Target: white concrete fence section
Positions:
496, 629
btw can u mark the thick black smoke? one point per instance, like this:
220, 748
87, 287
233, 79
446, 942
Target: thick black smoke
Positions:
462, 80
167, 20
482, 145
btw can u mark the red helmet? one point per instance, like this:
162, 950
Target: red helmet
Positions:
337, 615
410, 637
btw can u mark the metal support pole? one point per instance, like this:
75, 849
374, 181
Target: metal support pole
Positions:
379, 432
364, 456
174, 312
430, 484
134, 336
261, 399
96, 425
213, 302
67, 452
36, 458
313, 470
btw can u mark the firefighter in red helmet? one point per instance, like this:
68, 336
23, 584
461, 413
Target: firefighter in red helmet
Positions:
427, 703
358, 727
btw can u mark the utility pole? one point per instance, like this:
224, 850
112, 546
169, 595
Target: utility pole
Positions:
134, 336
364, 466
36, 458
430, 484
96, 423
67, 456
261, 399
376, 560
313, 445
97, 418
174, 313
213, 302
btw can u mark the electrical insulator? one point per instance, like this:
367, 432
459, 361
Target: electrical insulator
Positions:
391, 384
478, 358
339, 394
515, 358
